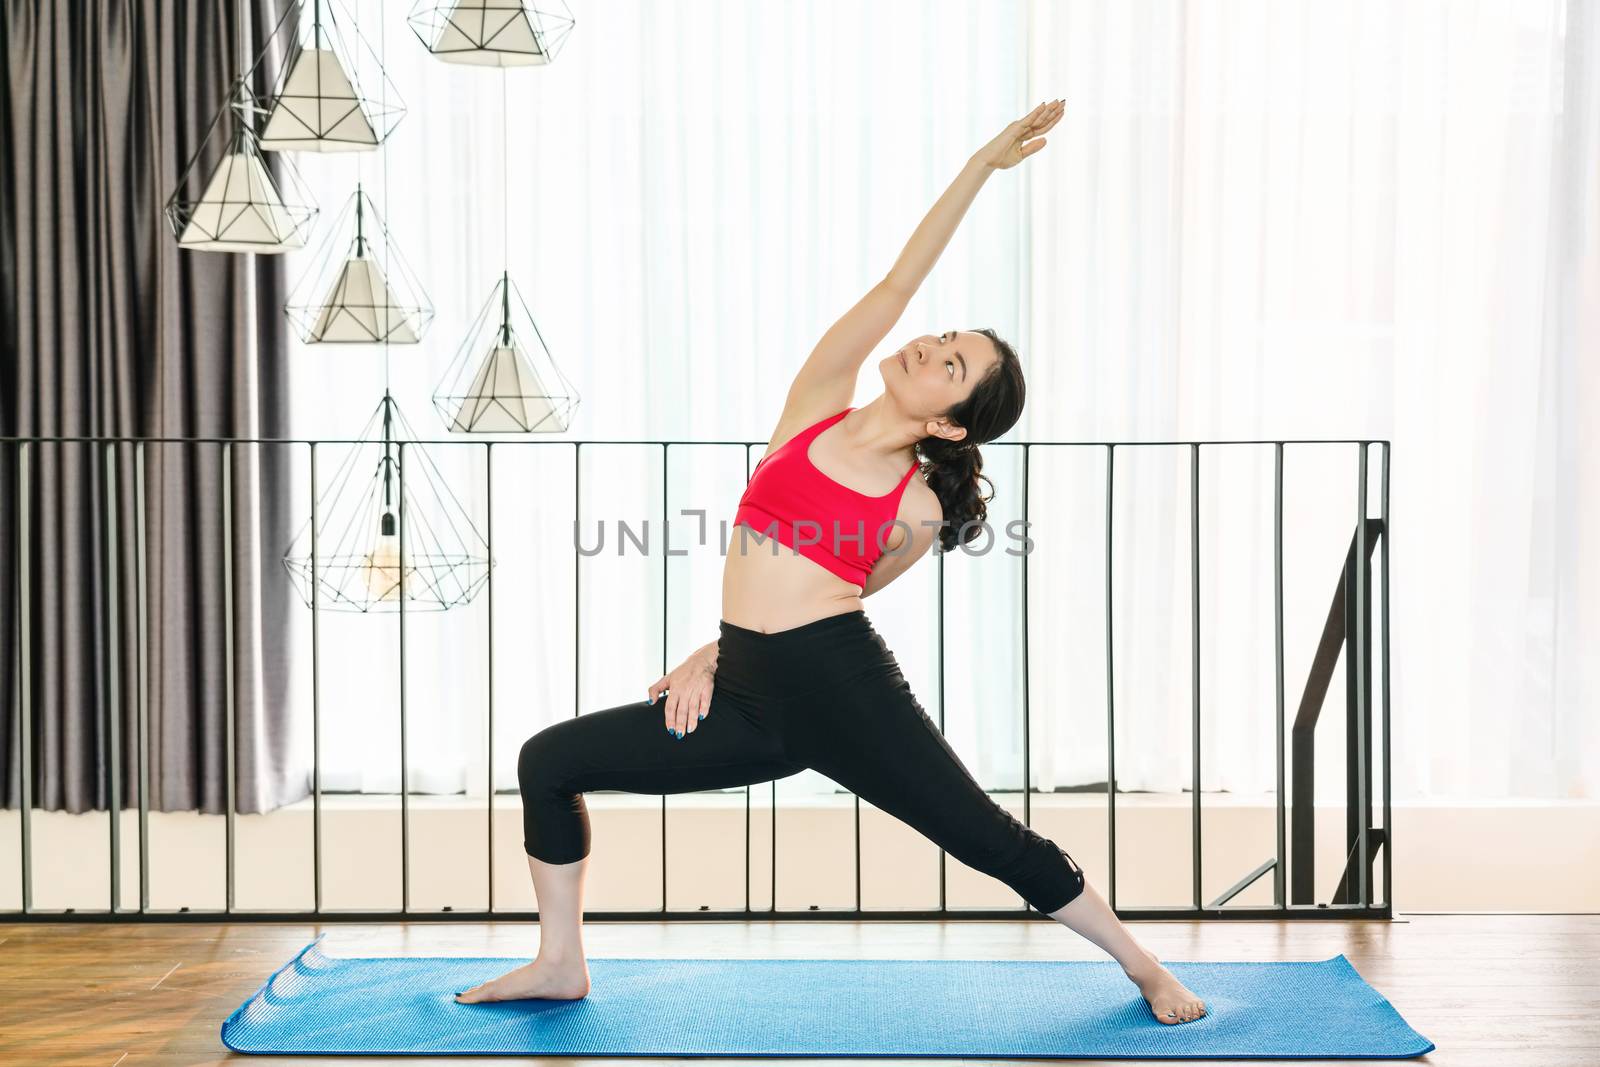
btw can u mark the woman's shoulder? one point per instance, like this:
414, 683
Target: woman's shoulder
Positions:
798, 417
918, 517
920, 502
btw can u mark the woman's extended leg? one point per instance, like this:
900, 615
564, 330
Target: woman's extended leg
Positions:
627, 748
874, 738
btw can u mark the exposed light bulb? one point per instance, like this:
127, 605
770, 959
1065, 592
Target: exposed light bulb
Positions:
381, 566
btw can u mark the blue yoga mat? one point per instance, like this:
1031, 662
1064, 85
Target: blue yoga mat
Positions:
1039, 1009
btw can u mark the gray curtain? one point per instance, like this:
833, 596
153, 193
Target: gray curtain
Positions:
109, 329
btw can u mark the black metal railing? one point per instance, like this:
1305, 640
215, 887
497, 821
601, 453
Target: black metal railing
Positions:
1348, 628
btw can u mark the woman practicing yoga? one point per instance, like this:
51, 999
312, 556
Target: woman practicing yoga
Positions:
798, 677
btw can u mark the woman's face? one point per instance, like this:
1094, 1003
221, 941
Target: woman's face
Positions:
934, 372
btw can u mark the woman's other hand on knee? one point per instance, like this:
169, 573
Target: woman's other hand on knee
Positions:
688, 694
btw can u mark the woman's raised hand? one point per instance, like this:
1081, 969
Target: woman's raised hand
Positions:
1012, 145
688, 690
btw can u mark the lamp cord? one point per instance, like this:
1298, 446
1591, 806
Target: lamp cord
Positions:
505, 169
383, 93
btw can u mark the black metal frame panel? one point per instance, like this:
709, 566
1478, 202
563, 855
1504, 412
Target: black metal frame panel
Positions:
1348, 628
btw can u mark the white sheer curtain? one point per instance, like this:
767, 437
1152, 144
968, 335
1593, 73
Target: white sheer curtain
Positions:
1254, 221
1333, 220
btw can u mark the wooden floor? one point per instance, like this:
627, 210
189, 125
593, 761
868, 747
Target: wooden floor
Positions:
1486, 989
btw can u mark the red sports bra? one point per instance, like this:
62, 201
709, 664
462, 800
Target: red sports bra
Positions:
841, 529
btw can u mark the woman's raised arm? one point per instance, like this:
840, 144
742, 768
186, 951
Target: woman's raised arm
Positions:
1008, 148
828, 377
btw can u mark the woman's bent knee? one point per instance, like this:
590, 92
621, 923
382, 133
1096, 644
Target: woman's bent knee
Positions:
555, 822
540, 763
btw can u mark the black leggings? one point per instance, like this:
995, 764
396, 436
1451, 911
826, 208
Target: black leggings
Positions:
827, 695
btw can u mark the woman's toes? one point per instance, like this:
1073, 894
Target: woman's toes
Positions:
473, 995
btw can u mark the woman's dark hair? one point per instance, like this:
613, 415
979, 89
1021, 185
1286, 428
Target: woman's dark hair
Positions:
952, 468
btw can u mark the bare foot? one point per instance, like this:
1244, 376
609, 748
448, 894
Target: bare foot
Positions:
542, 979
1169, 999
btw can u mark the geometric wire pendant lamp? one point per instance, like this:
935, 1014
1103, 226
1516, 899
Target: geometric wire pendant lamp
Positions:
503, 379
491, 33
359, 289
243, 205
324, 97
360, 562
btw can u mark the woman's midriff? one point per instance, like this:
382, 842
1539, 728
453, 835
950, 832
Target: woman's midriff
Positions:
767, 591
